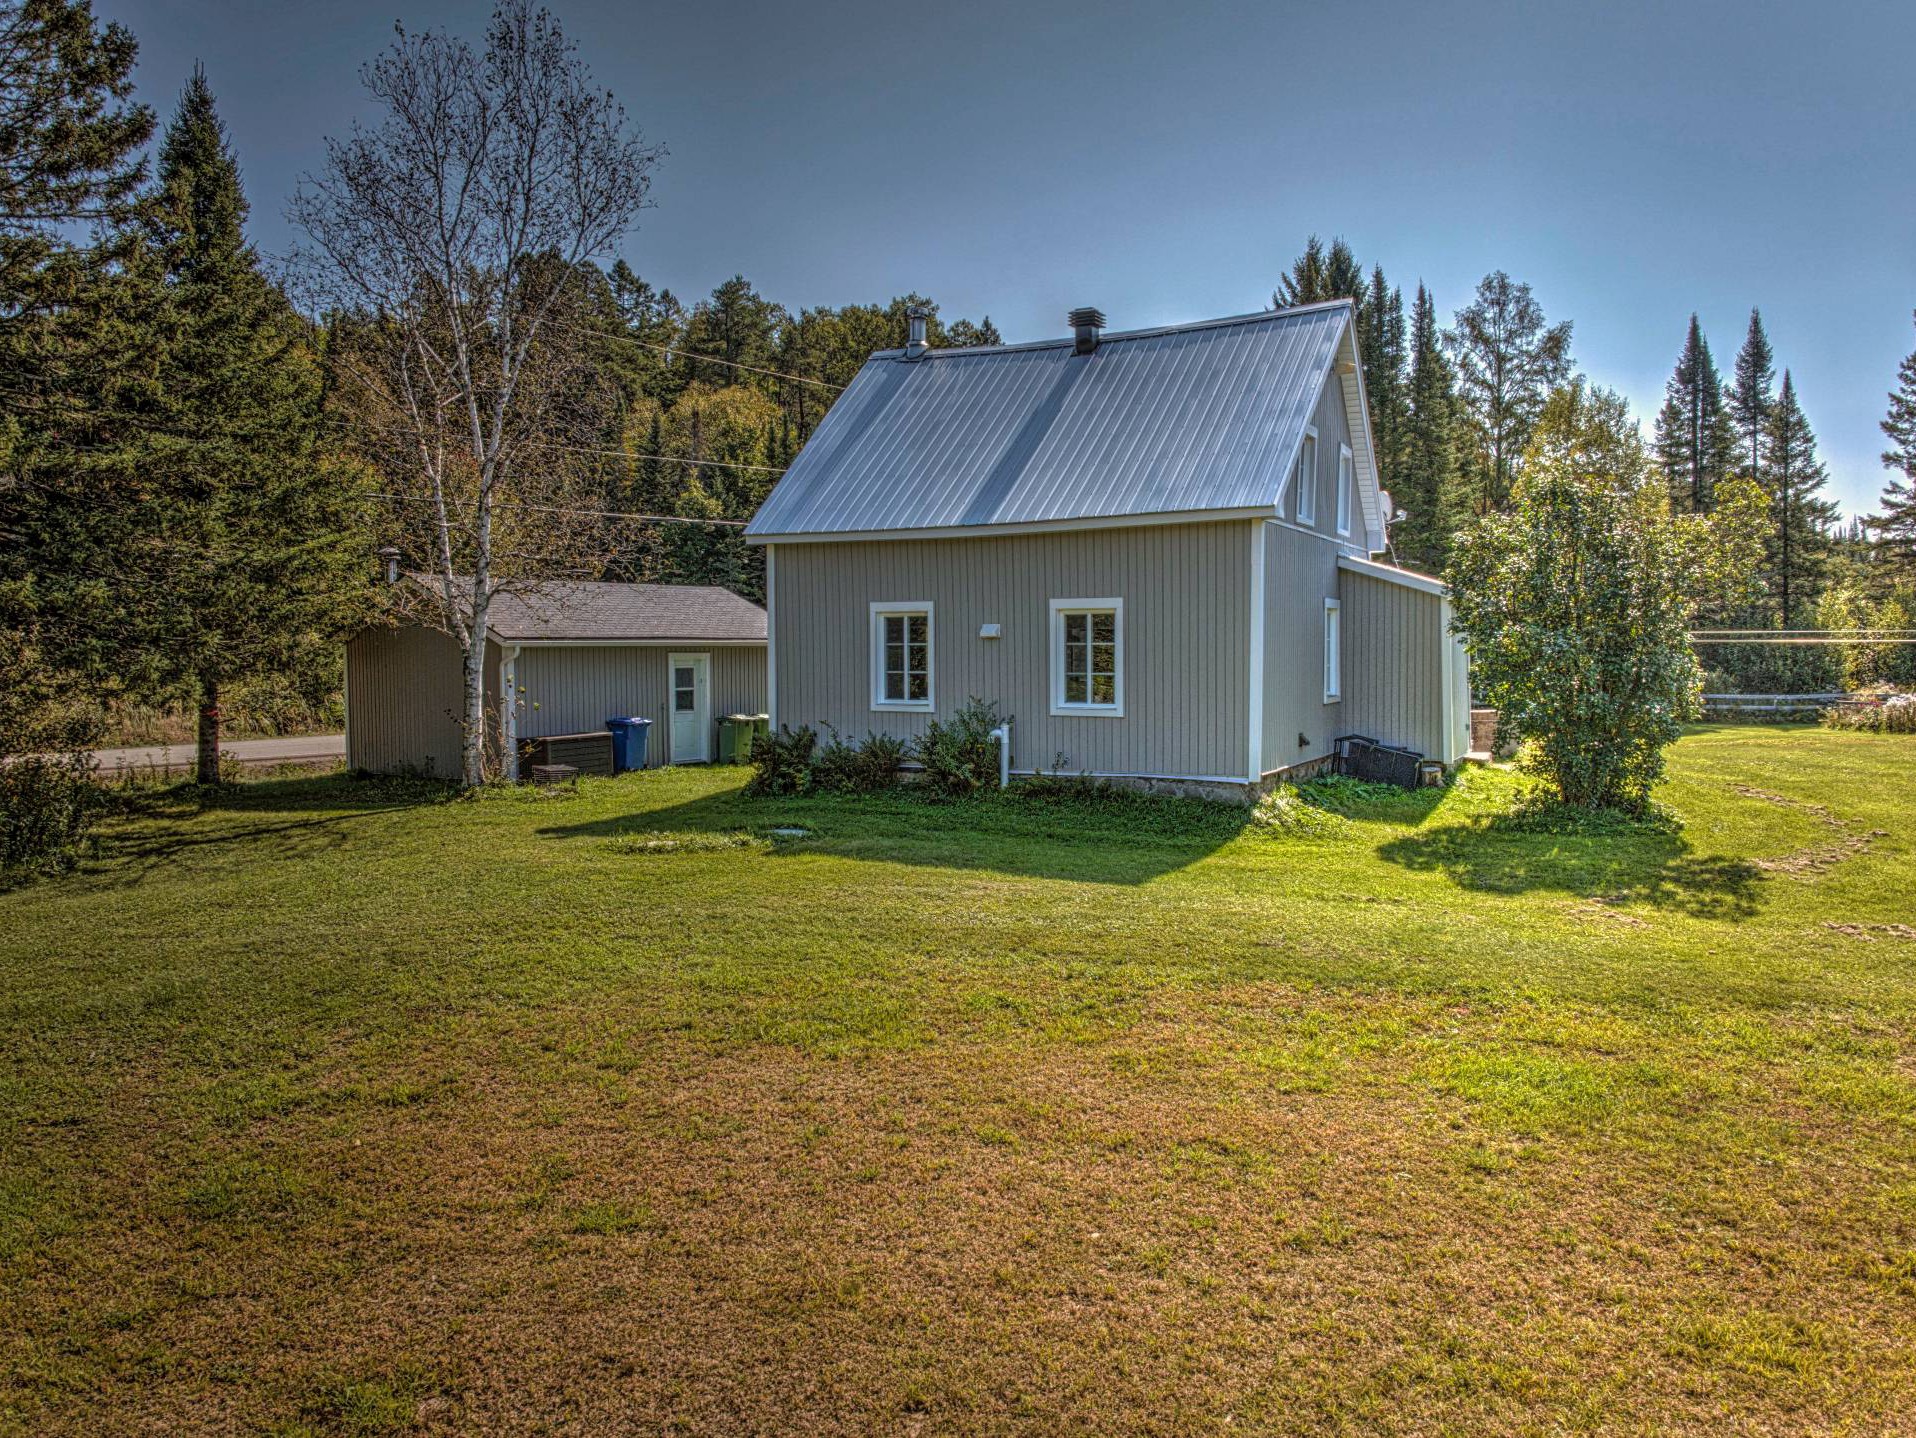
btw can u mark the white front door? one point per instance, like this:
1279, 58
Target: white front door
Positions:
690, 703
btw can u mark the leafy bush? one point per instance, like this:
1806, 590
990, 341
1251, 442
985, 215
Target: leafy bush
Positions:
782, 762
47, 794
876, 762
1894, 715
960, 757
1576, 606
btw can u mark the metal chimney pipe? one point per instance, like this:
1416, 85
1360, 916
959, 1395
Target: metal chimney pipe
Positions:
917, 344
1085, 324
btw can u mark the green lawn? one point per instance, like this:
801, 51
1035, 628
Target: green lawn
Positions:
338, 1109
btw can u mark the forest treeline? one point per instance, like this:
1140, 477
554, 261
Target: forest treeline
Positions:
195, 468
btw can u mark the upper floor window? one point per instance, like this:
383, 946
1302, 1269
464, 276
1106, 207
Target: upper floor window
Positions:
901, 655
1087, 656
1305, 479
1343, 489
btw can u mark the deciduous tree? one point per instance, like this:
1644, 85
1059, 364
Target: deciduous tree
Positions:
455, 232
1507, 360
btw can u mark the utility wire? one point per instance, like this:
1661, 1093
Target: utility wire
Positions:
670, 350
587, 513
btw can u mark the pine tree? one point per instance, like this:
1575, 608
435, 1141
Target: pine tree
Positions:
1800, 518
1695, 442
1752, 395
1507, 361
1318, 275
1895, 527
1426, 478
253, 549
1381, 340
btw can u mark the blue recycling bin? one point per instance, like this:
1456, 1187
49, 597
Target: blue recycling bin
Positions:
628, 743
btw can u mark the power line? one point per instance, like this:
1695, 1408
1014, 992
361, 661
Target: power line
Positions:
670, 350
587, 513
662, 458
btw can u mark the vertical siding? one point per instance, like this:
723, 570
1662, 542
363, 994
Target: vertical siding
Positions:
570, 689
1186, 591
404, 700
1332, 420
1398, 664
1300, 573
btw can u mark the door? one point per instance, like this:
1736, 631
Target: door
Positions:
691, 706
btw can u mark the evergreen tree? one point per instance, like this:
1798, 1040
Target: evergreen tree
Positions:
1695, 442
1381, 341
1752, 395
1318, 275
252, 549
1507, 361
1800, 517
963, 333
1895, 526
1426, 478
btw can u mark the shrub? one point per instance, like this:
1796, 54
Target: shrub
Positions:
959, 756
47, 795
1895, 715
782, 762
1575, 606
876, 762
833, 764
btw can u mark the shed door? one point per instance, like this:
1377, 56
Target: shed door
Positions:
690, 703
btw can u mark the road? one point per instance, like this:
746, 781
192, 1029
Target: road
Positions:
175, 758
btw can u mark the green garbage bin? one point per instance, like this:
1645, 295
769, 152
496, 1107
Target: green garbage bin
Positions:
736, 732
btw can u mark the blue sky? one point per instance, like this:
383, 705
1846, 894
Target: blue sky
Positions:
1164, 162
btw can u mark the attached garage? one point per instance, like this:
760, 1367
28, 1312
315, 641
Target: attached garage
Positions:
570, 656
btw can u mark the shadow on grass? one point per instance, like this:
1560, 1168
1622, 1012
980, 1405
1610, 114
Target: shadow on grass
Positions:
1648, 866
1106, 839
314, 814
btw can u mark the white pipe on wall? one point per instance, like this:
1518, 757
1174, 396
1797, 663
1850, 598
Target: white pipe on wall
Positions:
1003, 735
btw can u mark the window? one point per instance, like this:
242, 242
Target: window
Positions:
1305, 480
901, 656
1087, 656
685, 692
1333, 652
1343, 489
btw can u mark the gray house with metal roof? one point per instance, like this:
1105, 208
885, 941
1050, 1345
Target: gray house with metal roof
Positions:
571, 655
1153, 549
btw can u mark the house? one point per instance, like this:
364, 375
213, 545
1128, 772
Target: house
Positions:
1157, 551
575, 654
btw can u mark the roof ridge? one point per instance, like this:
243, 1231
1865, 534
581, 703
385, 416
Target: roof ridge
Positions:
1119, 336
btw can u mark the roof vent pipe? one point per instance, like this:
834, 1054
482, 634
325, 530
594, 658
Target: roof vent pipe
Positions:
917, 344
389, 564
1086, 323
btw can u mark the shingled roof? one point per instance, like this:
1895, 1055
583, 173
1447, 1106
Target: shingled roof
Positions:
580, 611
1183, 422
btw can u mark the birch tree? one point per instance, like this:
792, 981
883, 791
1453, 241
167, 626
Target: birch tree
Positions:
450, 242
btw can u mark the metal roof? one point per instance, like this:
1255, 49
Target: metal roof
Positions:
578, 611
1199, 418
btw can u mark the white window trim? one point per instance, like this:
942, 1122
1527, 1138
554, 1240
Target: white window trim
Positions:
1305, 486
880, 610
1333, 652
1060, 709
1346, 474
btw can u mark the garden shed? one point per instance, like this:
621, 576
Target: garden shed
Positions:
569, 655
